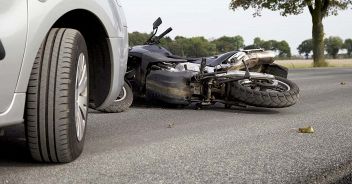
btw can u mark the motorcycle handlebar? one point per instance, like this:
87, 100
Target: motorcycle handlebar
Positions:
165, 33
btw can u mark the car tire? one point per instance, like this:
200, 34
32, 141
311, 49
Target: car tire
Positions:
57, 96
123, 102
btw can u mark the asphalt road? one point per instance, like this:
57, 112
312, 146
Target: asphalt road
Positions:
212, 145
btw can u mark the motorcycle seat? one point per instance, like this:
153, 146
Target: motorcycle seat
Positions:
215, 60
211, 61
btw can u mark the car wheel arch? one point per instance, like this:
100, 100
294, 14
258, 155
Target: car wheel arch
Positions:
98, 50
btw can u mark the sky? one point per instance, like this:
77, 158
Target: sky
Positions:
213, 19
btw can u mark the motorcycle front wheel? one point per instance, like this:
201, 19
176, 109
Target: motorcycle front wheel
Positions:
123, 101
275, 93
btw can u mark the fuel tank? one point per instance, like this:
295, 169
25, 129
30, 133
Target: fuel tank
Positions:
169, 87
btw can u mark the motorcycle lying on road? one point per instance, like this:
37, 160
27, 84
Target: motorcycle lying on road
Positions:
237, 78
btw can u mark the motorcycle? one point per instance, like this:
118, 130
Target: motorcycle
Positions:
237, 78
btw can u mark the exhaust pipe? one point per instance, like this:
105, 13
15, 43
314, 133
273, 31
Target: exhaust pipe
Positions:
266, 57
242, 74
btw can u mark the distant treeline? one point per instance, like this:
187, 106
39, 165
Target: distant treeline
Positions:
333, 45
200, 46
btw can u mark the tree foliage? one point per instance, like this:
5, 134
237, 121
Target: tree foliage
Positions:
292, 7
348, 46
282, 47
200, 46
319, 9
226, 44
306, 47
192, 47
196, 47
137, 38
333, 45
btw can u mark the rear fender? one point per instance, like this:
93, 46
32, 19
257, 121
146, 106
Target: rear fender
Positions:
275, 69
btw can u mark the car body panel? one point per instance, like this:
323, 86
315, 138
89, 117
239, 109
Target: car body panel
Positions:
42, 15
14, 114
40, 23
13, 24
120, 55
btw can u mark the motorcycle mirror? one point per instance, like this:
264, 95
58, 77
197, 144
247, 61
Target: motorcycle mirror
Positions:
157, 23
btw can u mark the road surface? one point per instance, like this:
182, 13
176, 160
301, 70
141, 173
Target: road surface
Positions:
213, 145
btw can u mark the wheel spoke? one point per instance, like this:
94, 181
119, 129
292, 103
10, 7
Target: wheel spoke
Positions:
82, 128
274, 85
83, 110
81, 96
78, 124
79, 68
83, 73
82, 86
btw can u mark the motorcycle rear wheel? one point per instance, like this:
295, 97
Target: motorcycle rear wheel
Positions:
259, 94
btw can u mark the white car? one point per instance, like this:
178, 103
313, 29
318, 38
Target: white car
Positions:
53, 53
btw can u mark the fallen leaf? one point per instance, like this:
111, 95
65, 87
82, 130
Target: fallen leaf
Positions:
308, 130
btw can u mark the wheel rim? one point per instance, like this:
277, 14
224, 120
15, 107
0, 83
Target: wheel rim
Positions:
122, 95
273, 85
81, 96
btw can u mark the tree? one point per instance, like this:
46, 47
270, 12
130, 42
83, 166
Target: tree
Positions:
137, 38
191, 47
306, 47
348, 46
226, 44
257, 42
179, 45
268, 45
319, 9
333, 45
282, 47
200, 47
167, 42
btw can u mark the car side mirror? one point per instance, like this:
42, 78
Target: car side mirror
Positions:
157, 23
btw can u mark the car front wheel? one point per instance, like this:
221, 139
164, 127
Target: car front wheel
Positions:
57, 98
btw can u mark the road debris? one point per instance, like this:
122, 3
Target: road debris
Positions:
308, 130
171, 125
343, 83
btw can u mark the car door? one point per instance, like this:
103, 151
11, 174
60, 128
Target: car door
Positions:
13, 32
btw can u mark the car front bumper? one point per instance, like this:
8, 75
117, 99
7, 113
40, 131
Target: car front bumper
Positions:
14, 114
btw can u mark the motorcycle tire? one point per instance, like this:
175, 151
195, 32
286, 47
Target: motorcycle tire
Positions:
123, 102
266, 99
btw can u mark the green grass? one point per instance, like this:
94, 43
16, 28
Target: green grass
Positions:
309, 63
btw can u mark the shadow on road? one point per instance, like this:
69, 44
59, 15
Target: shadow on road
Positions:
13, 148
217, 107
345, 180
